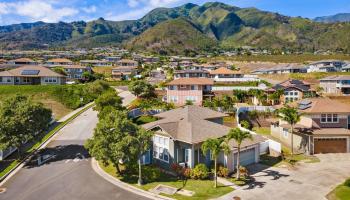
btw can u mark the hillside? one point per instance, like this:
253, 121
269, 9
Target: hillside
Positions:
340, 17
228, 26
173, 37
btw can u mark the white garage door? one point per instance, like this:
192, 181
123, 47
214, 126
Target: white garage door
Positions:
247, 157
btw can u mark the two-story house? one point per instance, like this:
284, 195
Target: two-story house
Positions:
75, 72
191, 74
31, 75
323, 128
326, 66
336, 85
223, 74
181, 90
22, 61
179, 135
293, 90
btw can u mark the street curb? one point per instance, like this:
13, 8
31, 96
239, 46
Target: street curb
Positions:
25, 160
96, 167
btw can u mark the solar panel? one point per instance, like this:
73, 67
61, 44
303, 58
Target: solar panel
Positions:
30, 72
305, 102
303, 107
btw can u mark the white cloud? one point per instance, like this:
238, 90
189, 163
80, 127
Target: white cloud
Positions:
37, 10
140, 8
4, 8
91, 9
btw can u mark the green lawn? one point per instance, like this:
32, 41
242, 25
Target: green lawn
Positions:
262, 130
204, 189
144, 119
341, 192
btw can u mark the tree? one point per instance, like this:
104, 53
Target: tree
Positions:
21, 120
238, 136
141, 88
215, 146
228, 104
88, 76
108, 99
275, 97
240, 95
292, 117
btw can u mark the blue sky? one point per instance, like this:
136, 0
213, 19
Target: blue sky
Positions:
18, 11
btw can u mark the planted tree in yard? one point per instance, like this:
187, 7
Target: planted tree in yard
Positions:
292, 117
215, 146
238, 136
141, 88
228, 104
108, 99
240, 95
21, 120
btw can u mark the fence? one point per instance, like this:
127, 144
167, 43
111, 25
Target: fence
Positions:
267, 145
243, 88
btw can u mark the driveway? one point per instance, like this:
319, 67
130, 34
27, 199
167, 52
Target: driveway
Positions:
309, 181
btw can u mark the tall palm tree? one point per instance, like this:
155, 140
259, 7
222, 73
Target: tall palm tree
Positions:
215, 146
292, 117
238, 136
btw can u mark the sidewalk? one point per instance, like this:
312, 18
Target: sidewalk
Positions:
96, 167
69, 115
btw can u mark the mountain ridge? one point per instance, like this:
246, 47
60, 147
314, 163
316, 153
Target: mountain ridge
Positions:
225, 25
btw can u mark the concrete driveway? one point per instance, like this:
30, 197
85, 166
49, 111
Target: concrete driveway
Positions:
309, 181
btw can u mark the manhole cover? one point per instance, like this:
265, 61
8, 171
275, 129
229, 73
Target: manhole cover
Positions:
2, 190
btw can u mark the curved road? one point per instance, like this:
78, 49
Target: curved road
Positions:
69, 175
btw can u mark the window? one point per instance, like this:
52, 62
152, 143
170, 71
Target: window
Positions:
285, 132
173, 87
173, 99
182, 86
194, 87
191, 98
161, 148
329, 118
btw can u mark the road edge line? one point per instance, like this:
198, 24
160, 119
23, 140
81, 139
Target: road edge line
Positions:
97, 168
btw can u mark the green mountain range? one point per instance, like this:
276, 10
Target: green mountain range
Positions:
184, 29
340, 17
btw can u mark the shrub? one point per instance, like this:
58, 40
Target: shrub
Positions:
187, 173
347, 182
178, 169
151, 173
222, 171
245, 124
243, 171
200, 172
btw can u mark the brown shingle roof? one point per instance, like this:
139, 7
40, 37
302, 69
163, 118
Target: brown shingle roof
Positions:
22, 60
224, 70
192, 81
43, 72
324, 105
190, 124
127, 61
60, 60
336, 78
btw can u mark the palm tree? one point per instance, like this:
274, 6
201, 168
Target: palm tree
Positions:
239, 136
292, 117
215, 146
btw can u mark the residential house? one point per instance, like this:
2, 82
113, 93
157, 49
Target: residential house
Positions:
326, 66
293, 90
31, 75
180, 133
123, 72
346, 67
323, 128
22, 61
282, 69
336, 85
127, 63
75, 72
191, 74
223, 74
96, 63
181, 90
59, 62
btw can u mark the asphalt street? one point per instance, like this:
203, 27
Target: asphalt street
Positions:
68, 174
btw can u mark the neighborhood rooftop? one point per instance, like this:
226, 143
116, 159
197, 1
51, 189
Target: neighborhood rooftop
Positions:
192, 81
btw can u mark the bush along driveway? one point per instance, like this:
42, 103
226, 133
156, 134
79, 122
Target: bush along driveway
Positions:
341, 192
307, 181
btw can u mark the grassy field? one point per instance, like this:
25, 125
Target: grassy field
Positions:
304, 58
39, 93
312, 78
262, 130
107, 71
341, 192
203, 188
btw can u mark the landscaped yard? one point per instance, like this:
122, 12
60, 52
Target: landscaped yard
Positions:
230, 121
144, 119
262, 130
341, 192
204, 189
